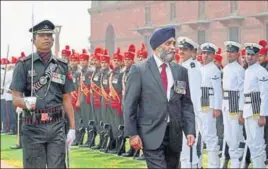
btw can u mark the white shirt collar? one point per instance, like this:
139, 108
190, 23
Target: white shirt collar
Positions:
159, 62
187, 61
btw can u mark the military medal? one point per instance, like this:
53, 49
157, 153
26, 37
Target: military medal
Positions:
43, 80
58, 78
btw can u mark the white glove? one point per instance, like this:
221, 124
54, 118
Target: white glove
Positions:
19, 110
30, 102
70, 138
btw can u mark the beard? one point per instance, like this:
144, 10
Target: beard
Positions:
166, 56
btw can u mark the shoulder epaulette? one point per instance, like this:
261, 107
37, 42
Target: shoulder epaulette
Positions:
62, 60
192, 64
25, 58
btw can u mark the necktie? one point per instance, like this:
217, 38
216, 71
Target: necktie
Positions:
164, 76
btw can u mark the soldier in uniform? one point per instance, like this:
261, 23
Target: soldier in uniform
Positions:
114, 113
186, 49
44, 138
105, 98
128, 62
96, 96
211, 99
76, 73
255, 109
85, 94
233, 84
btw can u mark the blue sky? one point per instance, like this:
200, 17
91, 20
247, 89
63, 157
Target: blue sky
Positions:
16, 20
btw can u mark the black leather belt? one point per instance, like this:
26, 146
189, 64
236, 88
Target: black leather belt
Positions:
44, 116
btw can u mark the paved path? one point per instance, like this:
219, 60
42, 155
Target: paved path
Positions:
5, 165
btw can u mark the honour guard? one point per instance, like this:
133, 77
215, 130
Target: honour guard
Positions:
128, 62
186, 50
255, 107
115, 114
45, 78
105, 98
76, 73
211, 102
96, 97
233, 84
85, 94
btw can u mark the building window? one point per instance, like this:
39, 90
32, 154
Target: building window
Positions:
172, 11
233, 6
201, 36
234, 34
201, 9
147, 15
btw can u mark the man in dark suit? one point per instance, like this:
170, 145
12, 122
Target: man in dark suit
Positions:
159, 90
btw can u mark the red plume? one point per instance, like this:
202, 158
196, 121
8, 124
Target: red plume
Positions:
105, 52
131, 48
219, 51
73, 51
263, 43
118, 51
142, 46
22, 54
84, 51
98, 50
67, 47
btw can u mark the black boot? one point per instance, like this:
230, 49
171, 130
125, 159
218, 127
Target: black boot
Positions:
130, 153
16, 147
141, 157
105, 141
81, 136
97, 147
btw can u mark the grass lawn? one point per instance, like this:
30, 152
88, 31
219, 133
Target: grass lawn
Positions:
79, 157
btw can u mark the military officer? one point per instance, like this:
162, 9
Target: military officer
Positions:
96, 96
233, 84
186, 49
255, 107
44, 137
76, 73
211, 102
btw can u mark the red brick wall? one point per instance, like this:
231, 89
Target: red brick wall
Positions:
129, 16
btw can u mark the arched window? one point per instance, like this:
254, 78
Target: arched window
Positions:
110, 39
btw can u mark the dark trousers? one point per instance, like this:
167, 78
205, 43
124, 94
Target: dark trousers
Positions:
163, 157
4, 124
11, 115
44, 145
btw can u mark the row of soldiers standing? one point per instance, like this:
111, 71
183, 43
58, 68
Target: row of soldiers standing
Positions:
100, 83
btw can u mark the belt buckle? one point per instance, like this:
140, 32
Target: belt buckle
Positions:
44, 117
